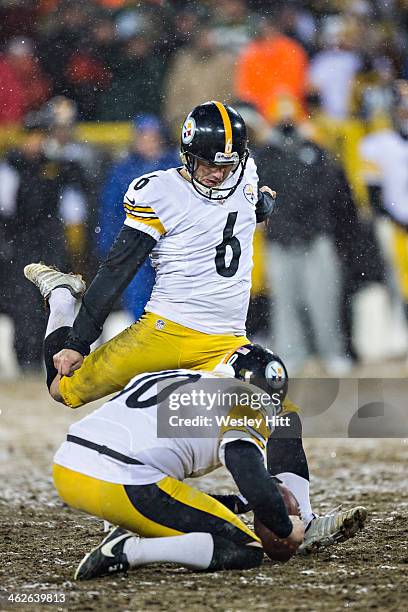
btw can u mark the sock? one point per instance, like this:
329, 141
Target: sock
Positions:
286, 454
62, 310
192, 550
300, 488
53, 343
287, 461
229, 555
234, 502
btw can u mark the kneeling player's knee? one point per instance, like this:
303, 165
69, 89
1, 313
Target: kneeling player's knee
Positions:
229, 555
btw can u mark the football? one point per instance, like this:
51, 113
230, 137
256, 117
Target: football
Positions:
276, 548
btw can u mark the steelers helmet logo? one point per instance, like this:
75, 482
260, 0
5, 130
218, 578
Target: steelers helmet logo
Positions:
275, 374
250, 193
188, 131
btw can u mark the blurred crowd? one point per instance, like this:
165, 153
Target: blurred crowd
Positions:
313, 80
120, 58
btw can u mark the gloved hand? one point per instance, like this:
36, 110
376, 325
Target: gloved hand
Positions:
266, 203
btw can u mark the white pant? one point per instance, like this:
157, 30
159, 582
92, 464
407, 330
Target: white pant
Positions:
305, 277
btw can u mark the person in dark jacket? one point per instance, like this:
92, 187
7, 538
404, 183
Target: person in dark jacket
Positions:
40, 189
303, 262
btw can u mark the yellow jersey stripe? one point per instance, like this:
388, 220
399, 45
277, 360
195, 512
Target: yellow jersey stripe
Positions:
186, 495
135, 209
227, 126
143, 207
154, 223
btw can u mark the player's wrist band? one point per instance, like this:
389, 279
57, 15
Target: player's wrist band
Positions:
77, 345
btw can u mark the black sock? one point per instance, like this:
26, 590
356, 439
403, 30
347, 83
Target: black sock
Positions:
233, 502
53, 343
228, 555
287, 454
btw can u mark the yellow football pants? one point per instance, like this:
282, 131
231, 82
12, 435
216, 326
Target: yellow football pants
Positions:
400, 255
150, 345
166, 508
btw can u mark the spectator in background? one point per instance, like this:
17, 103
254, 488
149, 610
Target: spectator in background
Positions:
297, 22
23, 84
154, 19
232, 24
37, 190
147, 154
193, 77
372, 91
333, 69
136, 85
385, 171
302, 265
78, 206
186, 25
89, 69
271, 66
63, 30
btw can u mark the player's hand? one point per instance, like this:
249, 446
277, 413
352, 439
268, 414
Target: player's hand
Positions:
67, 361
266, 189
296, 537
264, 211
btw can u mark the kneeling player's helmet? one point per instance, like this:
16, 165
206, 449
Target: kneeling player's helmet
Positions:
215, 134
260, 367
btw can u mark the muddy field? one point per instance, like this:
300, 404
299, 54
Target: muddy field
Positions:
41, 540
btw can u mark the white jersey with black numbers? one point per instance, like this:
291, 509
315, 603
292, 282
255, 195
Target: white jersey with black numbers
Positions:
385, 159
128, 426
203, 257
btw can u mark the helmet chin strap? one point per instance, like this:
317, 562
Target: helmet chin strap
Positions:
208, 192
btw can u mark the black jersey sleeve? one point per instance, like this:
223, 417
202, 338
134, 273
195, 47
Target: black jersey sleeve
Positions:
127, 254
245, 463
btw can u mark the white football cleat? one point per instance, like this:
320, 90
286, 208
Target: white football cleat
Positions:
47, 278
323, 531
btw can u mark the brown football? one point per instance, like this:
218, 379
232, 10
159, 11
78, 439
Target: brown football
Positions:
276, 548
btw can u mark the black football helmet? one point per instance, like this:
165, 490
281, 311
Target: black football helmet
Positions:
260, 367
216, 134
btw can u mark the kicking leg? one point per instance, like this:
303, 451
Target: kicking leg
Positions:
61, 292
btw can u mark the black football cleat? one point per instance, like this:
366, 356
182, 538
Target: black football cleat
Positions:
106, 558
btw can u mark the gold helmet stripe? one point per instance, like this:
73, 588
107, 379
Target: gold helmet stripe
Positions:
229, 354
227, 126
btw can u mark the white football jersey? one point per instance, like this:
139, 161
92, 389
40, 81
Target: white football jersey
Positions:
128, 424
385, 157
203, 257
